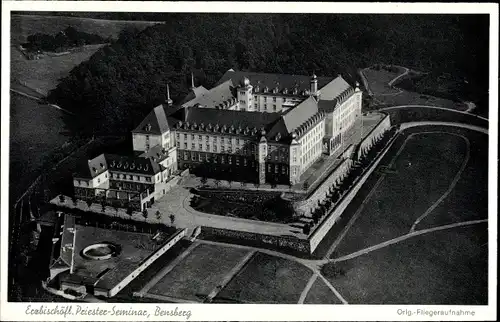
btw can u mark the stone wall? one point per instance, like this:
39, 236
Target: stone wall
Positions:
374, 134
255, 239
320, 192
319, 233
174, 239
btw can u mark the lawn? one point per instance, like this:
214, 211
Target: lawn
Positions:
469, 198
406, 194
378, 80
267, 279
321, 294
24, 25
199, 273
43, 75
445, 267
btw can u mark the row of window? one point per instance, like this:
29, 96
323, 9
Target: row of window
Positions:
130, 177
209, 138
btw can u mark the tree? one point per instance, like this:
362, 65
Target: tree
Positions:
306, 229
145, 213
217, 182
103, 205
203, 180
130, 211
172, 219
89, 202
62, 198
74, 200
158, 215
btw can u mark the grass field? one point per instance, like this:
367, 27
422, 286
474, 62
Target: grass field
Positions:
321, 294
378, 80
404, 195
43, 75
199, 273
445, 267
267, 279
24, 25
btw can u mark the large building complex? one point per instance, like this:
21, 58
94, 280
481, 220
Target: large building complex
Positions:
262, 127
257, 127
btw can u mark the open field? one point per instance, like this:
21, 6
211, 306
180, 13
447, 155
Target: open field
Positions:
32, 139
24, 25
445, 267
267, 279
43, 75
385, 95
424, 165
321, 294
199, 273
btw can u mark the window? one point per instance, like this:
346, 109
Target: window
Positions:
178, 144
177, 135
222, 159
185, 156
206, 138
192, 146
265, 106
199, 137
148, 179
276, 169
214, 148
265, 98
274, 99
199, 157
255, 105
237, 161
229, 150
185, 136
242, 101
208, 148
230, 159
294, 171
242, 93
200, 147
185, 145
274, 107
283, 170
192, 136
222, 149
245, 162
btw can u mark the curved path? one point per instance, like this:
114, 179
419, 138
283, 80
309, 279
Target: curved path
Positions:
401, 238
432, 107
452, 185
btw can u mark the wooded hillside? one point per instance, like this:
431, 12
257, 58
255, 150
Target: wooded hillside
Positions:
121, 82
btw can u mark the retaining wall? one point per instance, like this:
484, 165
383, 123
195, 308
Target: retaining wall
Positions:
317, 236
255, 239
374, 134
145, 264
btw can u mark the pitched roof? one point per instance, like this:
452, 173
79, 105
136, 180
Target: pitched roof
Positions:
193, 93
92, 168
132, 164
293, 118
281, 81
213, 97
154, 123
334, 88
156, 153
229, 118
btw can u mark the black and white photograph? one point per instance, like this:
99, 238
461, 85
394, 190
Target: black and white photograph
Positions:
156, 157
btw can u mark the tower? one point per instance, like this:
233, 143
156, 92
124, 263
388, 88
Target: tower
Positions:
314, 85
168, 101
245, 102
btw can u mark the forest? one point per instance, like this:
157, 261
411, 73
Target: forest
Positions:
63, 40
121, 82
